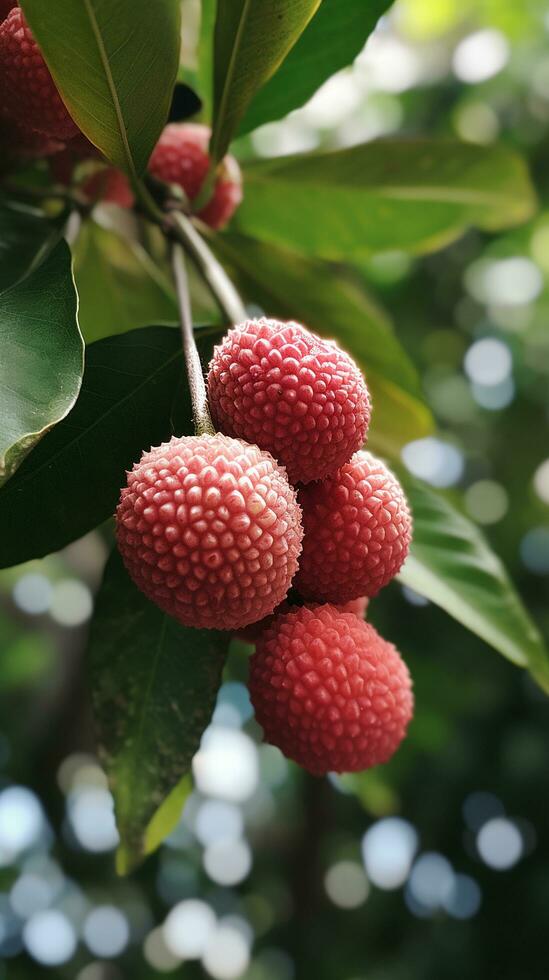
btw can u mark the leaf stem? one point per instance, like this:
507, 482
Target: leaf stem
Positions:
203, 424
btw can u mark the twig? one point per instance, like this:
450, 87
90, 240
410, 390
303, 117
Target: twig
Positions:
199, 399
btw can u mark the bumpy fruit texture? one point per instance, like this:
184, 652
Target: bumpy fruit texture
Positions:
358, 530
329, 691
210, 530
251, 634
28, 95
292, 393
181, 157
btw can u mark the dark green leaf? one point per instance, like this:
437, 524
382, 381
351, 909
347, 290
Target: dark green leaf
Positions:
252, 38
115, 64
332, 40
205, 70
154, 684
452, 565
119, 285
331, 301
26, 237
414, 195
42, 357
132, 388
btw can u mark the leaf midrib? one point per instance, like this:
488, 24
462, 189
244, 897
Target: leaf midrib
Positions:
434, 194
112, 87
229, 76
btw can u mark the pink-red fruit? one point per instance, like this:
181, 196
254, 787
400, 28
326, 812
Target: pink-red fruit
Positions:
329, 691
210, 530
358, 530
28, 95
292, 393
181, 157
251, 634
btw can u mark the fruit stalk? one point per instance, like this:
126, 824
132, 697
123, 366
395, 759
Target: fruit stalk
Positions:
210, 269
203, 424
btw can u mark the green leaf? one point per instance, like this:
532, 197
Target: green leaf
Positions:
205, 70
163, 822
26, 237
115, 65
333, 302
252, 38
119, 286
154, 684
452, 564
132, 390
332, 39
414, 195
42, 357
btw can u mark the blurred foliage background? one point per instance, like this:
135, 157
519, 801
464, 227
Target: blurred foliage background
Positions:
437, 865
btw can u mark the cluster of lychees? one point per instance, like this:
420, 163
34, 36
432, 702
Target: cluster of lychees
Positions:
216, 528
35, 123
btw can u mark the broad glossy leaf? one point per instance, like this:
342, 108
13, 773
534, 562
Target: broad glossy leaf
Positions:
331, 40
252, 38
133, 396
154, 684
414, 195
119, 285
42, 357
452, 564
26, 237
331, 301
115, 64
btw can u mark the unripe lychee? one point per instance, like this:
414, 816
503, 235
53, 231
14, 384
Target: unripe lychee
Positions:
210, 530
181, 157
251, 633
292, 393
28, 94
358, 530
329, 691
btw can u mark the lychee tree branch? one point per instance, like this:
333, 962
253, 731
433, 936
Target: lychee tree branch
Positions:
208, 266
203, 424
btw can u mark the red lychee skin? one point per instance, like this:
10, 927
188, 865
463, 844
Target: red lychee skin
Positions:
329, 691
28, 94
181, 157
358, 530
292, 393
251, 634
110, 186
19, 145
210, 530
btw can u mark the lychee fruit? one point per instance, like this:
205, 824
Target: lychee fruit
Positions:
181, 157
99, 182
329, 691
358, 530
251, 633
210, 530
19, 145
28, 94
292, 393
